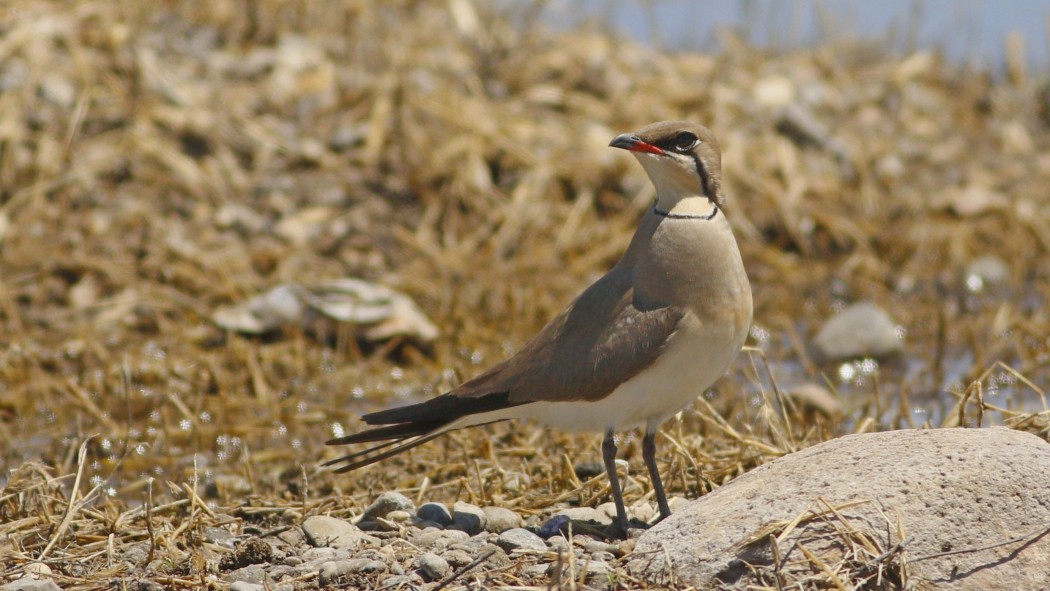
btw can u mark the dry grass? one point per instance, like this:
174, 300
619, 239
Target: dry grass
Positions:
159, 160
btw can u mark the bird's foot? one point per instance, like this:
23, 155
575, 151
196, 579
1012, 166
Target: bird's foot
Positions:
618, 530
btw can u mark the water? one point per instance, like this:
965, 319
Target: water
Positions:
971, 32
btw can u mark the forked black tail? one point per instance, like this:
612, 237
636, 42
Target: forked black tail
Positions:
412, 425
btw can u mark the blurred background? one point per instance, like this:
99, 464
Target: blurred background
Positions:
228, 228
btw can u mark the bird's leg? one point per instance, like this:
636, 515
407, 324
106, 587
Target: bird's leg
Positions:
609, 455
649, 455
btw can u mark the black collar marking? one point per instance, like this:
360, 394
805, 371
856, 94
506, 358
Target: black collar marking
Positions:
686, 216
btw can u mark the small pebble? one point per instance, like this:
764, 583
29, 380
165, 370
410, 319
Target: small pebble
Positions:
399, 516
440, 539
468, 518
436, 512
499, 519
433, 566
324, 530
520, 539
457, 558
404, 581
250, 574
387, 502
330, 571
588, 470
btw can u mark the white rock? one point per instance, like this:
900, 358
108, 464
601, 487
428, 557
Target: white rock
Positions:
954, 491
862, 329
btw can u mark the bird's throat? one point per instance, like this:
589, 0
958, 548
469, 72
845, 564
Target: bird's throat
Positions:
691, 207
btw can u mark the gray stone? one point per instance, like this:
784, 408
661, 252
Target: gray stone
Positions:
408, 581
533, 571
323, 554
468, 518
436, 512
282, 571
330, 571
596, 546
31, 584
219, 536
499, 519
433, 566
973, 504
246, 586
439, 539
323, 530
458, 558
520, 539
387, 502
861, 330
253, 573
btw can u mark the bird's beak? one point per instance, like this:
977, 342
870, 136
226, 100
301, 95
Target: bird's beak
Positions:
633, 143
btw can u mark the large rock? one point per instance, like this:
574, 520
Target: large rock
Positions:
973, 506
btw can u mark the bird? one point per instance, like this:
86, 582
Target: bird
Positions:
634, 348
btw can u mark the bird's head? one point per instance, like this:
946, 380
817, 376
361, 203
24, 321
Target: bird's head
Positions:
681, 158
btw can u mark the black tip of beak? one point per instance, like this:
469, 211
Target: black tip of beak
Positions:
633, 143
625, 141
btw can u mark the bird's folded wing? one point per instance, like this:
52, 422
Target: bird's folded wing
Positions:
599, 342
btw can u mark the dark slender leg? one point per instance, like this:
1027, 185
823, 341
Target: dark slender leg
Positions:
649, 455
609, 455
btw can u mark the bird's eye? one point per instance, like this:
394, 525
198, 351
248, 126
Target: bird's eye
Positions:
685, 141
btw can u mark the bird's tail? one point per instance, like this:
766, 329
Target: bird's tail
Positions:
408, 426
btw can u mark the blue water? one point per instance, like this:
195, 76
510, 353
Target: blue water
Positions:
970, 32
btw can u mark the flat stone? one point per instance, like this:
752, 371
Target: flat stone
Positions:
387, 502
458, 558
408, 581
324, 530
436, 512
323, 554
330, 571
30, 584
246, 586
433, 566
468, 518
253, 573
861, 330
973, 504
440, 539
219, 536
499, 519
520, 539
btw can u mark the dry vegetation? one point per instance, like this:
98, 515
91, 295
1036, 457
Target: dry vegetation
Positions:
161, 159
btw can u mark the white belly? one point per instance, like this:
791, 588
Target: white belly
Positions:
696, 356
